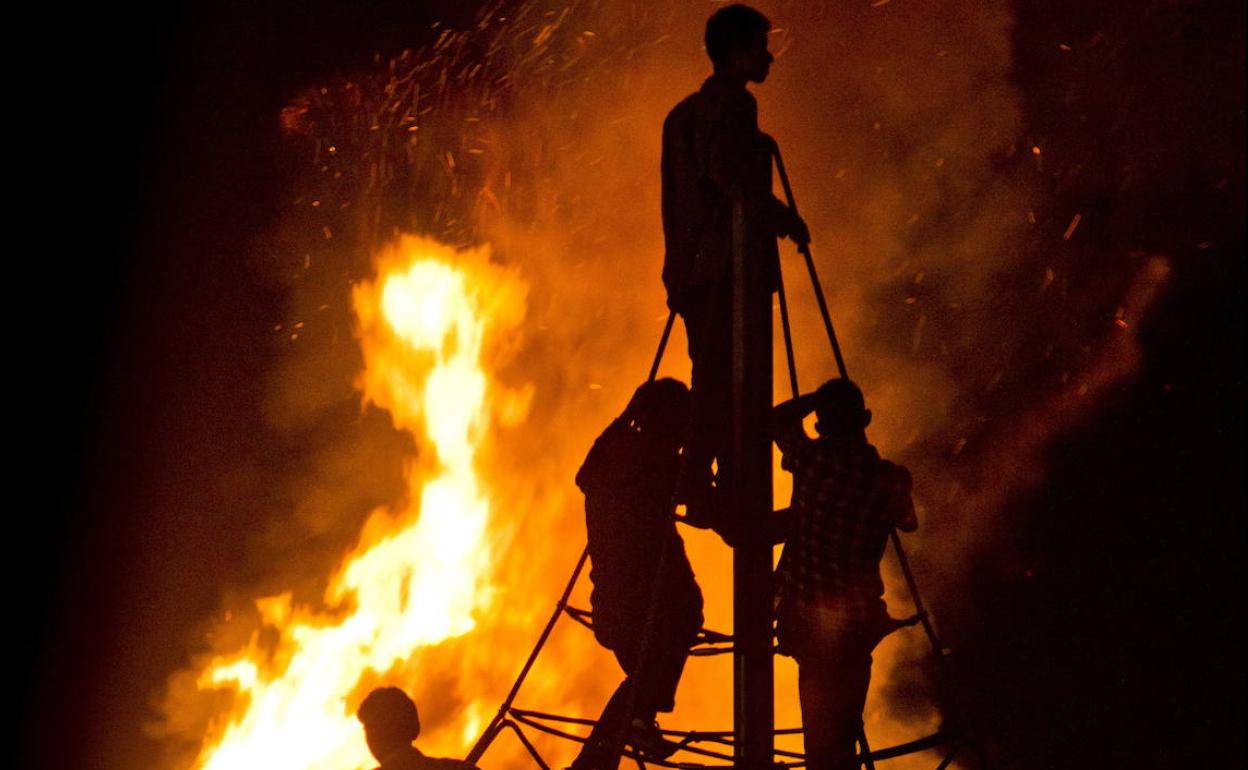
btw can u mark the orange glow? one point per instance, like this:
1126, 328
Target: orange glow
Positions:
548, 144
419, 574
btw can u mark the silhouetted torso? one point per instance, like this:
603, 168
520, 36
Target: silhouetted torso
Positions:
628, 486
846, 499
714, 152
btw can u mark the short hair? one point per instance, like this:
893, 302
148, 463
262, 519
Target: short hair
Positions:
388, 711
730, 29
663, 402
840, 406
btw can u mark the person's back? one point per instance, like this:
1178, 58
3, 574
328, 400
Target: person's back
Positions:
647, 606
628, 479
846, 500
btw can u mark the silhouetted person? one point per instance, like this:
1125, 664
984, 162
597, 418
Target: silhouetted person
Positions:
846, 500
715, 155
648, 617
391, 724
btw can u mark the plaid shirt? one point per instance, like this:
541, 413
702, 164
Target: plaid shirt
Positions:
846, 500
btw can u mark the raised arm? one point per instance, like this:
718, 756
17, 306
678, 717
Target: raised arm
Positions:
786, 423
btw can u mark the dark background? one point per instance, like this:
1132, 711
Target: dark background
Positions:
149, 148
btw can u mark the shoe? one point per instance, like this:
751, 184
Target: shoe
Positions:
588, 760
648, 740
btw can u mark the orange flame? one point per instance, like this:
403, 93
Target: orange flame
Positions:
419, 574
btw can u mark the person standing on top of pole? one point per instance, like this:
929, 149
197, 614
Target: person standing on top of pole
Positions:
647, 606
714, 157
846, 501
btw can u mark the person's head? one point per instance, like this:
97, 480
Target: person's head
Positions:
390, 721
736, 41
661, 408
840, 410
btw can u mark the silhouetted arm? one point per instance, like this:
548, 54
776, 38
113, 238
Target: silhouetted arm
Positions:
786, 425
903, 504
679, 172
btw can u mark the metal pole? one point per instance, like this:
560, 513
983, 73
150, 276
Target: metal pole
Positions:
748, 477
658, 354
810, 268
496, 724
788, 333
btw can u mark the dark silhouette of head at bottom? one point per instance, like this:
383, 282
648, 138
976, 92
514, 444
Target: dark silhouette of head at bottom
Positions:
390, 721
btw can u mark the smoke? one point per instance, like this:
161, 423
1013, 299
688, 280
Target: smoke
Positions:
954, 285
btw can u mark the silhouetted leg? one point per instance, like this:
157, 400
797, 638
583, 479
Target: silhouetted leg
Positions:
606, 740
659, 678
708, 328
656, 680
602, 750
832, 687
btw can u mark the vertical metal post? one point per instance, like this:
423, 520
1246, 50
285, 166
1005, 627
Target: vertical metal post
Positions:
749, 480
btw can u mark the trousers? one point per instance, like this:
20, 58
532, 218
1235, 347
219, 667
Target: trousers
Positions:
708, 326
833, 654
651, 686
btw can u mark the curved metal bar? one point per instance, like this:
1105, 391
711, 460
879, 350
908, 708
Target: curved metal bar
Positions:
948, 760
535, 720
491, 730
524, 741
937, 738
531, 720
788, 333
920, 612
804, 249
705, 635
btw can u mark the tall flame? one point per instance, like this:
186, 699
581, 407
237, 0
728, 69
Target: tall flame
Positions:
420, 572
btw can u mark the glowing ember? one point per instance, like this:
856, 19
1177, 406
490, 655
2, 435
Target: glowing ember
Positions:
419, 573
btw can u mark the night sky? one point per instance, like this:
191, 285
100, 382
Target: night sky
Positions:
156, 170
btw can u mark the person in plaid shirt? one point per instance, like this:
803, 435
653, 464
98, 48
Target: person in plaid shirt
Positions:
846, 500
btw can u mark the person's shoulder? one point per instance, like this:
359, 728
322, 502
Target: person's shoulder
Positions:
796, 446
896, 474
854, 456
604, 452
682, 112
